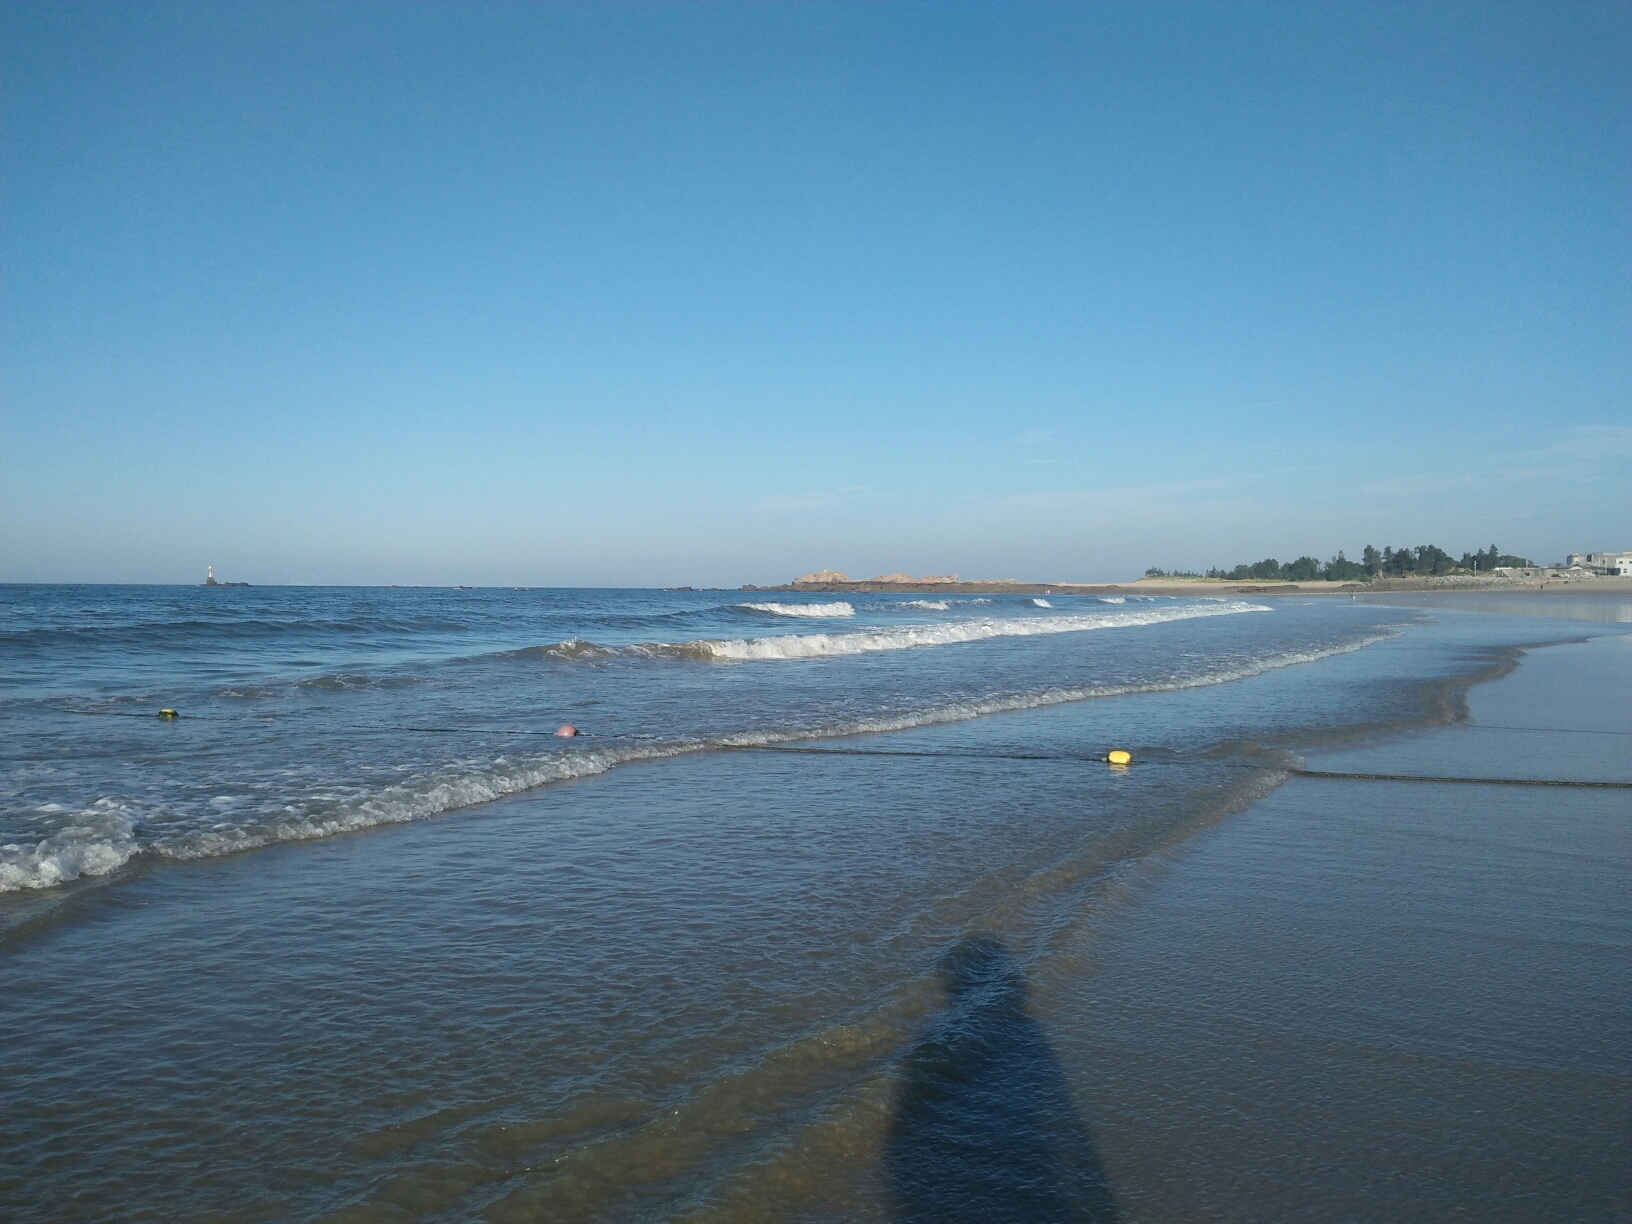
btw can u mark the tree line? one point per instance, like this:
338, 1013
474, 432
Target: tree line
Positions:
1422, 561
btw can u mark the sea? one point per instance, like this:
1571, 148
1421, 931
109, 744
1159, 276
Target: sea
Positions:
832, 910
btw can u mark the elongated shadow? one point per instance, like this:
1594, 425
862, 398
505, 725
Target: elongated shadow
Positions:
984, 1128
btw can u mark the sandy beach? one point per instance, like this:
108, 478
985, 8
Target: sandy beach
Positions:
1208, 586
1386, 1000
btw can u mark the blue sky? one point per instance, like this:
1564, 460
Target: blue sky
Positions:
711, 294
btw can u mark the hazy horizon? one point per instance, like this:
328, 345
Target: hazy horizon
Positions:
649, 295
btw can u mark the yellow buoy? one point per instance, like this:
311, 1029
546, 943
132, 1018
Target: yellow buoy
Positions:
167, 712
1119, 757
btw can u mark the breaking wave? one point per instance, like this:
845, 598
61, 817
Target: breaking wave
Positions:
816, 609
931, 605
569, 651
93, 842
868, 641
905, 637
1042, 603
104, 837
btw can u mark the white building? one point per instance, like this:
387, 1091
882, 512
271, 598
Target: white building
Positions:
1616, 563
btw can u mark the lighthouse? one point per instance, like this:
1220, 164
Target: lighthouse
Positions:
209, 576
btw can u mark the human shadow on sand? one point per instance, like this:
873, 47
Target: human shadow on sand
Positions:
984, 1128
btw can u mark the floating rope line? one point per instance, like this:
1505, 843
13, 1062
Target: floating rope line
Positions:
1379, 777
972, 755
978, 755
1538, 730
1100, 757
1232, 764
545, 731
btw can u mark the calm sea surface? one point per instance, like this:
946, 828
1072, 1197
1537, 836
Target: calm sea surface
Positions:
805, 925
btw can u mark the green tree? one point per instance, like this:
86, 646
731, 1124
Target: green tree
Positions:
1341, 569
1431, 559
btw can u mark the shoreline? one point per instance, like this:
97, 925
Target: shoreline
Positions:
524, 1041
1460, 585
1372, 930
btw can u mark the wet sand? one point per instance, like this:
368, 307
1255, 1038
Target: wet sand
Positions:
1389, 1001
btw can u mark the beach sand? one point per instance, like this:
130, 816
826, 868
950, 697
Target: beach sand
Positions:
1385, 1000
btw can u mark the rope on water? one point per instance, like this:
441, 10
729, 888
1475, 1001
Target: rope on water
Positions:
1100, 757
451, 730
1381, 777
1539, 730
972, 755
978, 755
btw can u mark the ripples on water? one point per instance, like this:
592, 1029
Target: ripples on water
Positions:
311, 712
719, 986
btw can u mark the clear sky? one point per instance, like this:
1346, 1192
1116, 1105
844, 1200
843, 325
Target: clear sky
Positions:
711, 294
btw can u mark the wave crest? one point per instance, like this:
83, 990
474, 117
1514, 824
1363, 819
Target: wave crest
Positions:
906, 637
96, 841
103, 838
838, 609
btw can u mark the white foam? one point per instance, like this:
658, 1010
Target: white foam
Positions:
413, 799
1112, 599
905, 637
933, 605
822, 609
100, 839
1042, 603
965, 710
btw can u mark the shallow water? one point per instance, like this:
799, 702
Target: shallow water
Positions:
734, 984
1575, 602
311, 712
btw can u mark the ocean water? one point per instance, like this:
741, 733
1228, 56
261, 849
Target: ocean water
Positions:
834, 912
306, 712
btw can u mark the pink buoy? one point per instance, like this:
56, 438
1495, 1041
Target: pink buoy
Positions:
567, 730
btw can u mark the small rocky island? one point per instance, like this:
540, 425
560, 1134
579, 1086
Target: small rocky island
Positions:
209, 579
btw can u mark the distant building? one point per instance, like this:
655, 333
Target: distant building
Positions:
1616, 564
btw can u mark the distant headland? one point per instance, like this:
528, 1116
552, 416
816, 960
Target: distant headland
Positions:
1424, 568
950, 584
